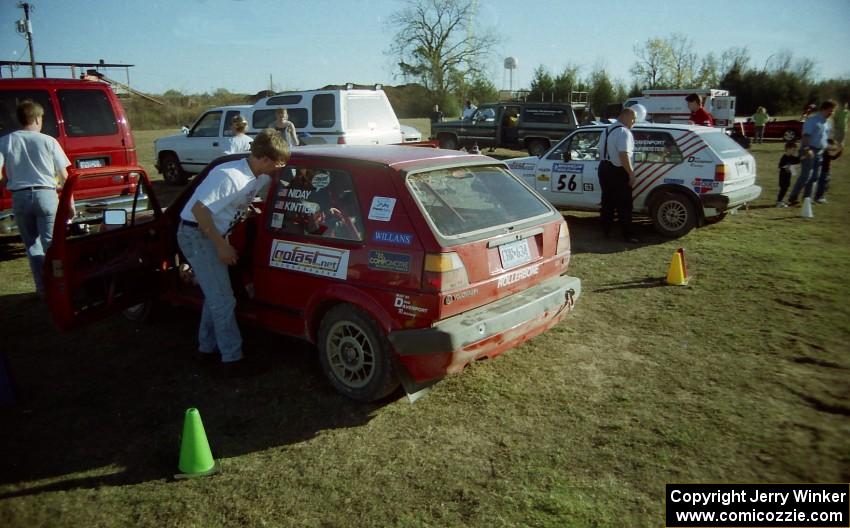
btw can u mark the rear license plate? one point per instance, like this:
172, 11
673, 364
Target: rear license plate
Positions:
91, 163
515, 253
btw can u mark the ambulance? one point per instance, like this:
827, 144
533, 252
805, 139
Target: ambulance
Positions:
669, 106
687, 176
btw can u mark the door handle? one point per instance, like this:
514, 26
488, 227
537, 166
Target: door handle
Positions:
215, 143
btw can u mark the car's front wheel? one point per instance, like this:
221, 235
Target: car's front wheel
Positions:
356, 355
789, 135
537, 147
673, 214
172, 172
448, 141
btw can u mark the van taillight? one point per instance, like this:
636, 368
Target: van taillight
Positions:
133, 177
720, 172
340, 140
443, 272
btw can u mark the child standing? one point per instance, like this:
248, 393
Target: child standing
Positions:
790, 161
833, 151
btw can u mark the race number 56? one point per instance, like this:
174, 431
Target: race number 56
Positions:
569, 183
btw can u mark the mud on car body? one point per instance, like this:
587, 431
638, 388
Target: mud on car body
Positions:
400, 264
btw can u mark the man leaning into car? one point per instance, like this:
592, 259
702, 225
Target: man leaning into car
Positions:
616, 174
206, 220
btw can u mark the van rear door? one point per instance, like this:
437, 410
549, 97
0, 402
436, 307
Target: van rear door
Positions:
94, 136
370, 119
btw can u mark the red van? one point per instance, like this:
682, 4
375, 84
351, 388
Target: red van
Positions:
401, 264
88, 121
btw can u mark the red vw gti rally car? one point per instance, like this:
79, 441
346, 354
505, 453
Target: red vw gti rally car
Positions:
401, 264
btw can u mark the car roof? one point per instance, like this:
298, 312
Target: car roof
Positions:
229, 107
662, 126
395, 156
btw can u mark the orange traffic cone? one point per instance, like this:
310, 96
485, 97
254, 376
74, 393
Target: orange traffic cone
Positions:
196, 459
678, 273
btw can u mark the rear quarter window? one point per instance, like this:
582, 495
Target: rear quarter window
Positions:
265, 118
324, 111
369, 112
722, 144
87, 113
463, 200
557, 116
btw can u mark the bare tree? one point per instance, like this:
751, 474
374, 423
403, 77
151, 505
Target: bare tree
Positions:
651, 66
681, 61
435, 42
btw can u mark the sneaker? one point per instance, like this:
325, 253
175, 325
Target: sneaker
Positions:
821, 200
793, 203
780, 204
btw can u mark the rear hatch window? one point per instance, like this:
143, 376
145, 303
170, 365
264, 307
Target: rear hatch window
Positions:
740, 164
464, 201
722, 144
87, 113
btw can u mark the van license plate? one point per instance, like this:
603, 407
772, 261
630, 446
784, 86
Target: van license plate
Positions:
91, 163
515, 253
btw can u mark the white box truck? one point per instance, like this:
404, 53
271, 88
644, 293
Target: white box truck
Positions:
669, 106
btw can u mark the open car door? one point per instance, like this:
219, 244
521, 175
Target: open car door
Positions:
102, 259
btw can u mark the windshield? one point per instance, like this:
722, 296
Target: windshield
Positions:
465, 199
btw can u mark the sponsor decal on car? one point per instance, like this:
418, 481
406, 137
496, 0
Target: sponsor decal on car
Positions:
307, 258
382, 208
516, 276
674, 181
588, 187
386, 261
321, 180
572, 168
277, 220
703, 185
392, 237
452, 297
404, 306
522, 165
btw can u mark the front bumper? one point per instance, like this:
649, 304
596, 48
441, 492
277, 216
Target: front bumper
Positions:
446, 347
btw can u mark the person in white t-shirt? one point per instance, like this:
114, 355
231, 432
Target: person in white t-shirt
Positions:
617, 175
205, 221
36, 167
239, 141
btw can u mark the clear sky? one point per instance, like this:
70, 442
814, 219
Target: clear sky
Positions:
197, 46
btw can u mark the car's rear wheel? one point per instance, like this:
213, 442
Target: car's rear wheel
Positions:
356, 355
172, 172
448, 141
789, 135
139, 313
537, 147
673, 214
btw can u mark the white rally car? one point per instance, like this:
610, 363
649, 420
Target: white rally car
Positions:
686, 175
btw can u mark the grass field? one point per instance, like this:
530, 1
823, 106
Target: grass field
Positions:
742, 376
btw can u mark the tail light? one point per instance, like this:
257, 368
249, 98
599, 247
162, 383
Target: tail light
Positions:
444, 272
133, 177
340, 140
563, 238
720, 172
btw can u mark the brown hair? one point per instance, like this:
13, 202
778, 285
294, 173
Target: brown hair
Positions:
694, 98
28, 110
829, 104
270, 144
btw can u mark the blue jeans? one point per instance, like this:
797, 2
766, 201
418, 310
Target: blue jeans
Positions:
809, 173
218, 318
35, 213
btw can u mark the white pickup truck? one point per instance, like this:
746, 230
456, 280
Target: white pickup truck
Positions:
336, 116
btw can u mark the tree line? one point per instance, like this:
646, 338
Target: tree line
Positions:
437, 45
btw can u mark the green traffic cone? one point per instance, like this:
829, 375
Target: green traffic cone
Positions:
196, 459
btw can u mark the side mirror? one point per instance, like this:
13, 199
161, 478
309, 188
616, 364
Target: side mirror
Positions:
115, 217
185, 130
566, 156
